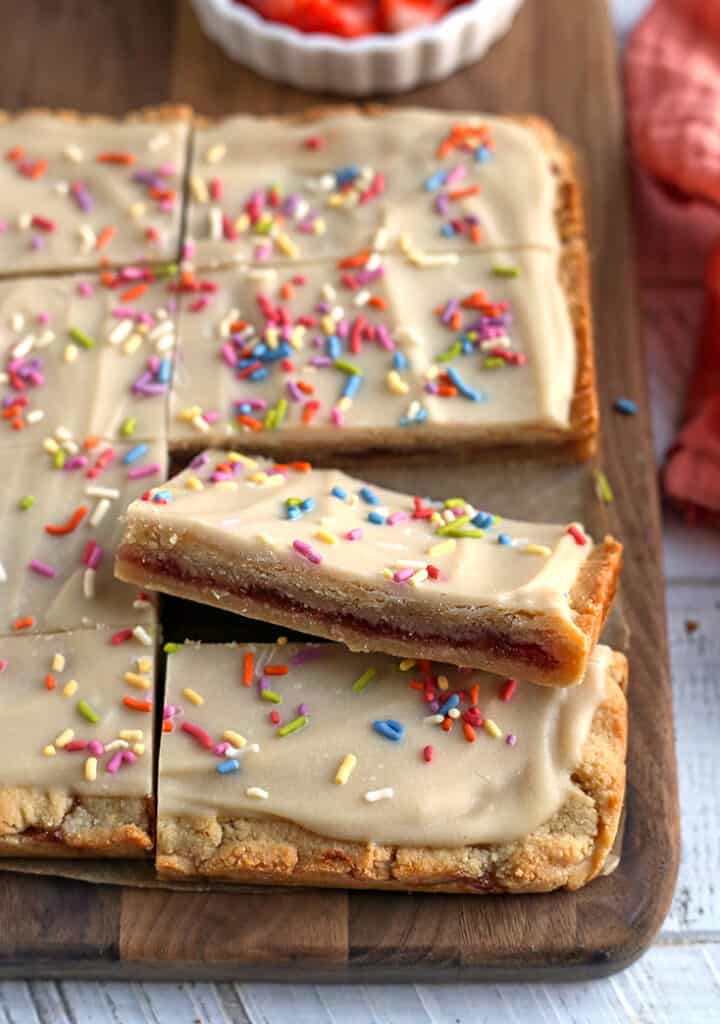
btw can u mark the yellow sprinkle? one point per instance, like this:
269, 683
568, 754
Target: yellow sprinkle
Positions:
281, 641
190, 413
194, 483
226, 485
193, 696
71, 353
141, 682
419, 577
287, 246
436, 519
396, 384
319, 226
64, 738
49, 750
199, 189
242, 223
344, 403
247, 462
139, 749
345, 769
388, 574
327, 324
70, 688
216, 153
492, 728
327, 537
131, 734
443, 548
538, 549
58, 662
235, 738
90, 771
144, 665
258, 478
443, 683
51, 446
407, 664
268, 540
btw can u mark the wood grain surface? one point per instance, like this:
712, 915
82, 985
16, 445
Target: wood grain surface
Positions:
560, 61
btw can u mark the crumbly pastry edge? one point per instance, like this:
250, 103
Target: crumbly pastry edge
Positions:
579, 439
37, 822
162, 113
567, 852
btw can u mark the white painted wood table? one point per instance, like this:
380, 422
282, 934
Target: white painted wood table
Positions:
678, 980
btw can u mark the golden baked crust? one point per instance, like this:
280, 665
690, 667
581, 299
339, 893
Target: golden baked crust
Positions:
150, 115
55, 823
579, 440
567, 852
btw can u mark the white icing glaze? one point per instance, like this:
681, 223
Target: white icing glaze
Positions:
484, 791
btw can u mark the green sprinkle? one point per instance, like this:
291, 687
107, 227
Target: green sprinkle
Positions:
87, 712
455, 502
451, 353
367, 676
347, 367
293, 501
27, 502
166, 270
454, 525
171, 648
59, 459
269, 419
602, 487
264, 225
272, 696
297, 723
505, 270
280, 411
493, 363
472, 531
128, 427
82, 338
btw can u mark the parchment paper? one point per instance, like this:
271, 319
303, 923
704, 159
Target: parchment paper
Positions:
519, 488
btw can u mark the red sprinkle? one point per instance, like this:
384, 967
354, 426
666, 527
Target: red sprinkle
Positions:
197, 734
276, 670
72, 524
121, 637
507, 689
275, 717
428, 753
578, 537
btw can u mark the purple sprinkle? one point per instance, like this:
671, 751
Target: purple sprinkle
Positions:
511, 739
306, 654
263, 684
294, 391
302, 709
434, 706
140, 472
113, 765
37, 242
199, 460
451, 307
403, 575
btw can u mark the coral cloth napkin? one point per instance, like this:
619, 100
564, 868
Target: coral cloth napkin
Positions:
672, 78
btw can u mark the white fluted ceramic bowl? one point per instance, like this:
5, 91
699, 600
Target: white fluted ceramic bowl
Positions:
356, 67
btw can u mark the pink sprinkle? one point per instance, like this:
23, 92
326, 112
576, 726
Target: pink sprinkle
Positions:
211, 416
3, 664
397, 517
170, 710
221, 748
94, 556
305, 549
354, 534
142, 471
336, 417
128, 757
188, 250
456, 174
43, 318
263, 252
382, 336
95, 747
402, 575
85, 289
43, 569
113, 765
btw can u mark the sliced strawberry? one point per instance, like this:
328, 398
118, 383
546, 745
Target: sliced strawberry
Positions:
402, 15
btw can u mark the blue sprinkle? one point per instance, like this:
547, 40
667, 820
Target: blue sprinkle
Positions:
368, 496
352, 386
242, 363
245, 409
338, 492
452, 702
260, 351
463, 388
503, 538
162, 496
626, 406
482, 520
376, 517
467, 347
399, 361
293, 512
448, 231
390, 729
334, 347
164, 371
259, 374
307, 505
227, 766
435, 181
345, 174
482, 154
134, 454
421, 416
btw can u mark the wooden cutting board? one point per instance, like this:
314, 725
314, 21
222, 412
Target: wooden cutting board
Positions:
560, 61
